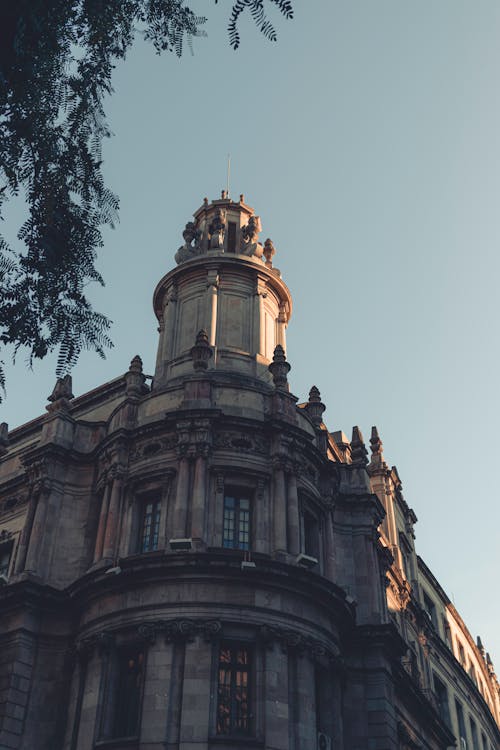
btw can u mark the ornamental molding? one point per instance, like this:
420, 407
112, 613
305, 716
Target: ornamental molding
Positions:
153, 447
242, 443
295, 641
183, 630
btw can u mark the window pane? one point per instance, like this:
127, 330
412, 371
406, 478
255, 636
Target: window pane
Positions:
128, 694
150, 524
233, 713
236, 523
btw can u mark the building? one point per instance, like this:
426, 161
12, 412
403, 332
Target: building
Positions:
194, 562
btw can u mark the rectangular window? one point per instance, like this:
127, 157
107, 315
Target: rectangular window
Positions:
461, 722
231, 237
442, 700
473, 734
430, 608
150, 526
236, 533
233, 690
129, 674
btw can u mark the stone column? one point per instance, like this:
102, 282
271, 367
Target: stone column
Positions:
199, 495
279, 508
196, 689
34, 497
306, 725
212, 298
281, 327
169, 316
276, 698
293, 516
218, 512
329, 547
174, 710
103, 517
38, 530
112, 522
181, 500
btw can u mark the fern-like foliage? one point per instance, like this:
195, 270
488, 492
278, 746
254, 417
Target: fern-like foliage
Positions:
56, 64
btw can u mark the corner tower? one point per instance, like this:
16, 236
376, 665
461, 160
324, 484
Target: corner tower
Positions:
225, 284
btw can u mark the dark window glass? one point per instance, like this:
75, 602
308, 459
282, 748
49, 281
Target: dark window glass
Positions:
150, 526
231, 237
460, 719
128, 693
473, 732
5, 553
431, 610
236, 532
233, 691
442, 700
311, 535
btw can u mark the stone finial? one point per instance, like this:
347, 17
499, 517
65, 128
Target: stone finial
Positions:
61, 395
135, 378
314, 406
4, 438
279, 369
135, 364
376, 447
269, 251
480, 645
242, 198
201, 351
358, 449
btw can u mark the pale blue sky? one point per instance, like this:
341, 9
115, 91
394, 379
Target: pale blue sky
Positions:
368, 140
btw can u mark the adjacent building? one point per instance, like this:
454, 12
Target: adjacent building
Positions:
194, 561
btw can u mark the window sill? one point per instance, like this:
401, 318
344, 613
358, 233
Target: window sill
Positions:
118, 743
240, 740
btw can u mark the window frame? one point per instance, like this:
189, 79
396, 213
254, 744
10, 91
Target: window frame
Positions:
309, 509
156, 501
113, 687
238, 494
234, 644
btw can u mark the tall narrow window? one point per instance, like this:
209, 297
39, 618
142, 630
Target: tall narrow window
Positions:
430, 608
231, 237
150, 526
460, 720
236, 522
442, 700
233, 692
311, 535
473, 734
130, 667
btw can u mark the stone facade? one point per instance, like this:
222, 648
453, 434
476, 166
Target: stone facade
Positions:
197, 563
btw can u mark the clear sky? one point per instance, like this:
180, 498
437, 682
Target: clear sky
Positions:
368, 140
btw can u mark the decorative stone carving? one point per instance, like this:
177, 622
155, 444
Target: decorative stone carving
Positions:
201, 352
359, 454
241, 443
61, 395
217, 230
314, 406
191, 247
269, 251
135, 379
279, 369
293, 640
249, 244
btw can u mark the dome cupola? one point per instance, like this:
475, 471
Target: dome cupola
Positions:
226, 285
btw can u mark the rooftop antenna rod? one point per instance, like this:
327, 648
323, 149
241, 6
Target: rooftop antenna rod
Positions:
228, 172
